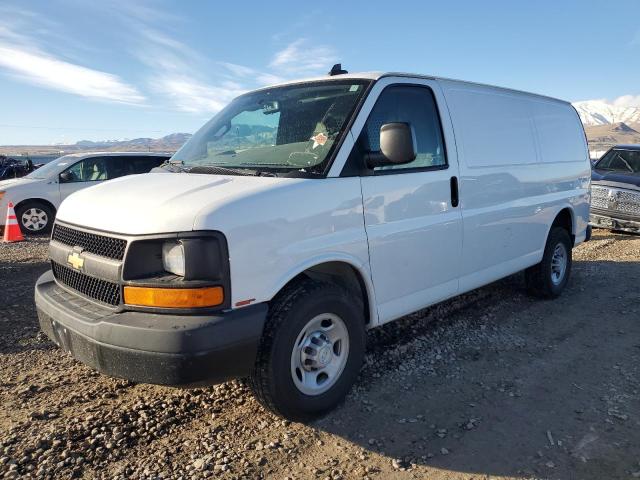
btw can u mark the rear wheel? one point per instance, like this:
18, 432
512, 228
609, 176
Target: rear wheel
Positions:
549, 277
35, 217
311, 351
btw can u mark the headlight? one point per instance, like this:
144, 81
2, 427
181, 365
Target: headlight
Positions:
173, 258
183, 270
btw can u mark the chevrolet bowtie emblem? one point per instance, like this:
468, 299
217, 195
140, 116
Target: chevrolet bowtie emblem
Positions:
75, 260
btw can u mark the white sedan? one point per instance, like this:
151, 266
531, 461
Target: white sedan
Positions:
37, 196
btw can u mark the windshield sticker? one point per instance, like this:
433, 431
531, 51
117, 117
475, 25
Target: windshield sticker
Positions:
319, 139
354, 88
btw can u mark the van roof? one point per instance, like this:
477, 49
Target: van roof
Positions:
379, 75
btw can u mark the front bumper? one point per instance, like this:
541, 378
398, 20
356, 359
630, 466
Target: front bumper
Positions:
179, 350
605, 221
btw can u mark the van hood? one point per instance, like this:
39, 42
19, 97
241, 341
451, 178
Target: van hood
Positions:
158, 202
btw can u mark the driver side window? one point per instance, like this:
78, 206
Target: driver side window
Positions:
416, 106
93, 169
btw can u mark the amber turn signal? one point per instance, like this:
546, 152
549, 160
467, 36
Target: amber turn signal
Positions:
173, 297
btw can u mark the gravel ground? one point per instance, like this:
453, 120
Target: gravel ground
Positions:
493, 384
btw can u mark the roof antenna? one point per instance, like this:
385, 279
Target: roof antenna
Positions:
337, 70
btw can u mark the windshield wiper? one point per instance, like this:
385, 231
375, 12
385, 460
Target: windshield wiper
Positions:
219, 170
626, 164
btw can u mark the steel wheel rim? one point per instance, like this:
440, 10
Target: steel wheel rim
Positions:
558, 263
320, 354
34, 219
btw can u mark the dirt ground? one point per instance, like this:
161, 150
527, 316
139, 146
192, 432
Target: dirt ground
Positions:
493, 384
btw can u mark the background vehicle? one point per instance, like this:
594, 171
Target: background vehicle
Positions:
37, 196
615, 190
305, 213
12, 168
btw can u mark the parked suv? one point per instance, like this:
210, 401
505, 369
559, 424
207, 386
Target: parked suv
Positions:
615, 190
37, 196
306, 213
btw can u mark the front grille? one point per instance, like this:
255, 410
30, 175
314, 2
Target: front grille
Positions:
90, 242
628, 202
615, 199
599, 197
101, 290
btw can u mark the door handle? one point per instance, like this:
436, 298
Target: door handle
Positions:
455, 196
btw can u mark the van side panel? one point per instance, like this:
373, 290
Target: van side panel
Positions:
514, 178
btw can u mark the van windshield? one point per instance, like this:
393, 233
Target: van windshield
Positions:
282, 129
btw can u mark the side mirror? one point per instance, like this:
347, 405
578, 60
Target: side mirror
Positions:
66, 177
397, 146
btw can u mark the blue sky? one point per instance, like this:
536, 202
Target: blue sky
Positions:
71, 69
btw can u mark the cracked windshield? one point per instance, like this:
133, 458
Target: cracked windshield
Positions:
276, 130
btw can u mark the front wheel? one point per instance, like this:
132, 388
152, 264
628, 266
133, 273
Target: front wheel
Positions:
35, 217
311, 351
550, 276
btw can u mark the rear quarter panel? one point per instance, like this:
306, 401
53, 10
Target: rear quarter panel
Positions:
523, 158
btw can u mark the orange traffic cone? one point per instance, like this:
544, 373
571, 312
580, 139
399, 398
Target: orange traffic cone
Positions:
12, 231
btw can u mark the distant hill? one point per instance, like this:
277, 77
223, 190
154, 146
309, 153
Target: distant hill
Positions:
602, 137
169, 143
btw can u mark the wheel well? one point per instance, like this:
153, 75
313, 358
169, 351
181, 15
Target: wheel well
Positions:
564, 219
37, 200
342, 274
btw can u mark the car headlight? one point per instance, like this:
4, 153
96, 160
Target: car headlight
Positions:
173, 258
183, 270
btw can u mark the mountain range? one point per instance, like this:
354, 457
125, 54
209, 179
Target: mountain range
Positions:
599, 112
167, 143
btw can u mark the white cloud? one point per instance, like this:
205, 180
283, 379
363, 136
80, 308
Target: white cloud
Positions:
47, 71
627, 101
192, 96
22, 57
176, 73
269, 79
303, 57
239, 70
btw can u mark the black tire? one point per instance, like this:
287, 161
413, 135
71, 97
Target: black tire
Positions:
272, 380
539, 279
36, 228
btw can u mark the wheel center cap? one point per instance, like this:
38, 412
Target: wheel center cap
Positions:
324, 356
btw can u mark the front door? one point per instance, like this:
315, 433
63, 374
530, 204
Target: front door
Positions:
413, 225
83, 174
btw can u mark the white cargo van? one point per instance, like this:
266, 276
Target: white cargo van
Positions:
306, 213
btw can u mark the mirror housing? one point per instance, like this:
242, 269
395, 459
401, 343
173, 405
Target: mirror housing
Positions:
397, 146
66, 177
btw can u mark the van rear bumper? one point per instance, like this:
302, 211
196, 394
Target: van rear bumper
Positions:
179, 350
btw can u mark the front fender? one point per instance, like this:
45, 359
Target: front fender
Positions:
362, 269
